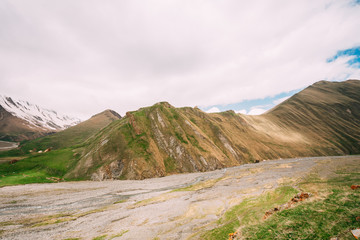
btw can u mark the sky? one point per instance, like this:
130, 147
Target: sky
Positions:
81, 57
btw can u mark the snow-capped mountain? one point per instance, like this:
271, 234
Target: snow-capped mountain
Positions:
37, 117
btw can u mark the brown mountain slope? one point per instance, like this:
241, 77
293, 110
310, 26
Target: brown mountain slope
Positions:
16, 129
159, 140
21, 120
74, 135
327, 113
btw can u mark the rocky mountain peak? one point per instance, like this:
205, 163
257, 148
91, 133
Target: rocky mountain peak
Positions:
36, 116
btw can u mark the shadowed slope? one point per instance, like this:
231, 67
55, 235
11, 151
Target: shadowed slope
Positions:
326, 112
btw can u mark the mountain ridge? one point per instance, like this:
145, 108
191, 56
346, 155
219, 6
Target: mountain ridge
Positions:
73, 135
160, 140
22, 120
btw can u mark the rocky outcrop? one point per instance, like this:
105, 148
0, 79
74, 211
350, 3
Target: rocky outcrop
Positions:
132, 121
110, 171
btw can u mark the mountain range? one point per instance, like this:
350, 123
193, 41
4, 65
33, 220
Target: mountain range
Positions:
155, 141
21, 120
73, 135
323, 119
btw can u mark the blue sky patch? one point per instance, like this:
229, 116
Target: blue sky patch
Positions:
257, 106
249, 105
354, 53
354, 3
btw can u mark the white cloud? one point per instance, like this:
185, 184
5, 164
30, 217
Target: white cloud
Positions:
280, 100
81, 57
242, 111
256, 111
213, 110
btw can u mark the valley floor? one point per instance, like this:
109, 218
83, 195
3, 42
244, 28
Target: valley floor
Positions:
182, 206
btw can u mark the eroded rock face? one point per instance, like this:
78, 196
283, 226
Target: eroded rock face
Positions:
110, 171
159, 141
132, 121
181, 151
228, 146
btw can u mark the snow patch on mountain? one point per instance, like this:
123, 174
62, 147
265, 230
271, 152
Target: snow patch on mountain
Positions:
37, 116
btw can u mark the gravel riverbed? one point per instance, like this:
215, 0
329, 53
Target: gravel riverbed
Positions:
172, 207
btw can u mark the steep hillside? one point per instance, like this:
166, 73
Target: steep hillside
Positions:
159, 140
21, 120
16, 129
73, 135
326, 113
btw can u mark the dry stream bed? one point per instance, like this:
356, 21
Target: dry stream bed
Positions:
174, 207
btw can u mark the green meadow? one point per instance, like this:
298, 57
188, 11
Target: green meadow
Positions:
38, 167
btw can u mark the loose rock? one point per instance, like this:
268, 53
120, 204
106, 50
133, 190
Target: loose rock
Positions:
298, 198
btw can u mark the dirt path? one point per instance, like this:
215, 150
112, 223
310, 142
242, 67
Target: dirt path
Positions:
173, 207
4, 146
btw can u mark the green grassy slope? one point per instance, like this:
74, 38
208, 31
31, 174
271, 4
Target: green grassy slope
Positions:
74, 135
67, 146
330, 212
38, 168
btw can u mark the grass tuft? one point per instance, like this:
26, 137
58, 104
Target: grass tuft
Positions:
102, 237
248, 212
118, 235
170, 164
